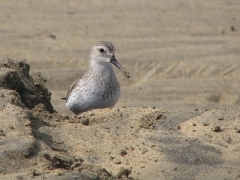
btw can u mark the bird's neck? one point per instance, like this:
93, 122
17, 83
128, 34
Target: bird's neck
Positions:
102, 74
101, 67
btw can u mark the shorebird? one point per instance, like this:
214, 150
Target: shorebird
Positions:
98, 87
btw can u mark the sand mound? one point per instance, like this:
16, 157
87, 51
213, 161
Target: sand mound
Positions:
15, 76
123, 143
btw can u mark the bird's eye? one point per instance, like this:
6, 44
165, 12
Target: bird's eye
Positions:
101, 50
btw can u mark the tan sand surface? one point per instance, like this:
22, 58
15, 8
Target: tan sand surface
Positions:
184, 61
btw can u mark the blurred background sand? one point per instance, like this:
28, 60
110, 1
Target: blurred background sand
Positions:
181, 54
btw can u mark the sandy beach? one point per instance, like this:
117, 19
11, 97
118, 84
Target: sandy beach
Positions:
178, 115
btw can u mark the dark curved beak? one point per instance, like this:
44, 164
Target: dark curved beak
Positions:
114, 61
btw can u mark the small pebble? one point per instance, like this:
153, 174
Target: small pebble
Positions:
229, 140
237, 131
232, 28
216, 129
152, 146
52, 36
36, 172
144, 151
205, 124
85, 122
123, 152
118, 162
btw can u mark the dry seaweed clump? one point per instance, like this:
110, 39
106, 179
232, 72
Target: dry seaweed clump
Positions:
14, 75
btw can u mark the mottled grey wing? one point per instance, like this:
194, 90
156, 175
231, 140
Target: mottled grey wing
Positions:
73, 85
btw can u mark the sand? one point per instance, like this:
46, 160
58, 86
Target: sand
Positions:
178, 114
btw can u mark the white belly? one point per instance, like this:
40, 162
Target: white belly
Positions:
94, 96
